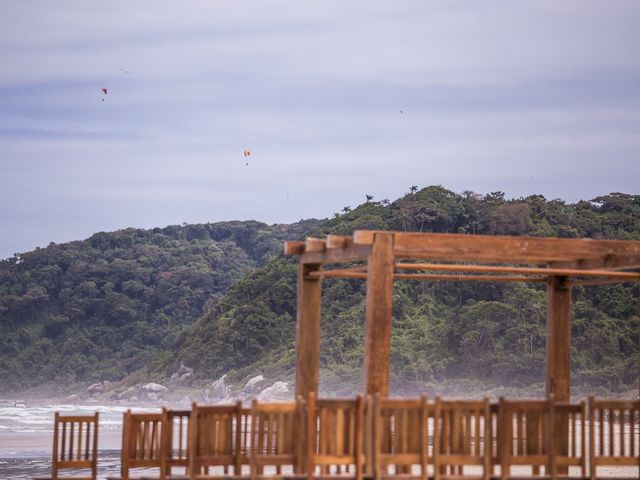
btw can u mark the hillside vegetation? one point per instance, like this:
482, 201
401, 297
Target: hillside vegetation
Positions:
221, 298
101, 308
483, 333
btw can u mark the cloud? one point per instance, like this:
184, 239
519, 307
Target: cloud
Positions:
536, 97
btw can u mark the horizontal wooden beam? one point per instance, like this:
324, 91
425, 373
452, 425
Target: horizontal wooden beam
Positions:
609, 262
338, 241
520, 270
293, 248
503, 249
339, 272
315, 245
351, 253
359, 273
466, 278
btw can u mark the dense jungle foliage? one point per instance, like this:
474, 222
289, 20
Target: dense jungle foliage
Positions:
487, 333
101, 308
221, 298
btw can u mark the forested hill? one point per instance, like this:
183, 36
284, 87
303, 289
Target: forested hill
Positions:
479, 333
98, 309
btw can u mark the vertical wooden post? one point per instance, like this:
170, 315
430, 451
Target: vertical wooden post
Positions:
377, 353
308, 331
558, 368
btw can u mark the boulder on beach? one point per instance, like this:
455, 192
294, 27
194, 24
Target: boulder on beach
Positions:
95, 388
254, 385
154, 387
219, 389
277, 391
182, 373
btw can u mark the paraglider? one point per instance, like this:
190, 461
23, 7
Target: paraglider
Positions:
104, 90
246, 153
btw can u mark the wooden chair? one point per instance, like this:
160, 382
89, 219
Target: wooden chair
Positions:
525, 436
614, 434
335, 437
462, 437
75, 446
570, 420
401, 428
142, 435
175, 442
214, 441
277, 431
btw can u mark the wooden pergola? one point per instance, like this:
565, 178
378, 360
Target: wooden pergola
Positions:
385, 256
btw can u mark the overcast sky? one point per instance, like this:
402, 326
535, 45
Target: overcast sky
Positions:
522, 97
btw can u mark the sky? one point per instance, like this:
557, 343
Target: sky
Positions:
334, 99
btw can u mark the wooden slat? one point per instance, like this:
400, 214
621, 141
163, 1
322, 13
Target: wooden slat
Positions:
558, 343
338, 241
467, 278
352, 253
308, 331
612, 262
379, 301
460, 247
294, 248
356, 273
313, 245
521, 270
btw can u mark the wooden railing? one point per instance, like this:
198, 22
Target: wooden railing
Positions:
386, 437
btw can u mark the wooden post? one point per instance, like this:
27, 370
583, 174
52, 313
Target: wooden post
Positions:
377, 353
308, 331
558, 368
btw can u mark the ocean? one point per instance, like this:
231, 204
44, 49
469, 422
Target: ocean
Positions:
26, 436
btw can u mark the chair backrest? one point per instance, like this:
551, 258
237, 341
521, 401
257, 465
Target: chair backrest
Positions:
243, 437
75, 444
401, 430
462, 436
276, 433
175, 435
570, 420
614, 433
141, 441
525, 436
335, 439
213, 438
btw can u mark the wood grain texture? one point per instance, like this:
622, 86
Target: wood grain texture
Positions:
379, 305
558, 343
308, 331
505, 249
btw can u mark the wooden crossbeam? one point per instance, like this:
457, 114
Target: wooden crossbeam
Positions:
610, 262
339, 241
631, 276
360, 272
352, 253
293, 248
504, 249
314, 245
467, 278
